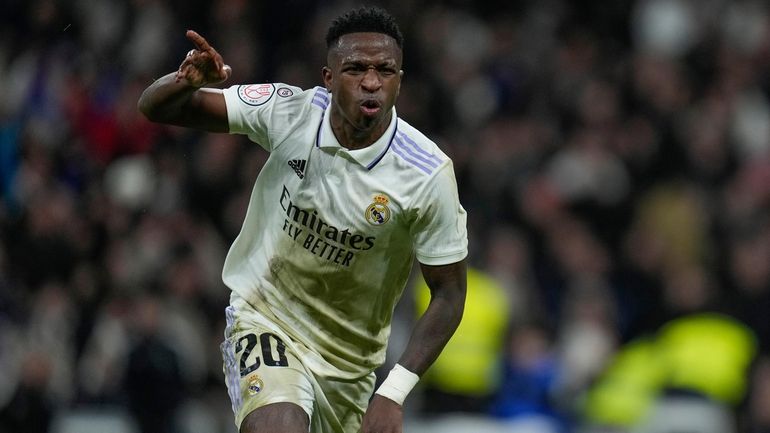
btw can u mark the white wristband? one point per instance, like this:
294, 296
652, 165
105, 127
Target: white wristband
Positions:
398, 384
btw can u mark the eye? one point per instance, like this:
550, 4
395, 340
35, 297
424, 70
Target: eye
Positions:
354, 69
387, 69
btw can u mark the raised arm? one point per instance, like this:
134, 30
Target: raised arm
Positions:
180, 97
431, 333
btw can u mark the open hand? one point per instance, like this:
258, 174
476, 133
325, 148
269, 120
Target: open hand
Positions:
203, 64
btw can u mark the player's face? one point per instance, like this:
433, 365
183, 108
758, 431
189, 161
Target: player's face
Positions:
364, 77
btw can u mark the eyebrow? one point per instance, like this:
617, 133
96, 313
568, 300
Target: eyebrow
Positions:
364, 62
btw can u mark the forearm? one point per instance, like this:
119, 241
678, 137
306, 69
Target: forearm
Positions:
181, 104
432, 332
165, 99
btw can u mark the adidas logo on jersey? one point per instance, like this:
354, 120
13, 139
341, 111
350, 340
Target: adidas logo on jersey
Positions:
299, 167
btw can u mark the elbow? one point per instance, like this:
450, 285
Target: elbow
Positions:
147, 109
151, 106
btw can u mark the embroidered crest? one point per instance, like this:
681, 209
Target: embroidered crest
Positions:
256, 94
255, 385
378, 213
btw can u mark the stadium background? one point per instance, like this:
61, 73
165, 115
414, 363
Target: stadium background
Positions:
613, 156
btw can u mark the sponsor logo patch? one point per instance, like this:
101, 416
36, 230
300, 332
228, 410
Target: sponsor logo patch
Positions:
256, 94
285, 92
378, 213
299, 167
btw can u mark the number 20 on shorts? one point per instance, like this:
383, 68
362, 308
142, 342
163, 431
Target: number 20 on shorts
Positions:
270, 357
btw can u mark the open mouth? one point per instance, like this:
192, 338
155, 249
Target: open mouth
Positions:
370, 107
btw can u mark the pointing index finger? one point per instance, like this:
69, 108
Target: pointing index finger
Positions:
198, 40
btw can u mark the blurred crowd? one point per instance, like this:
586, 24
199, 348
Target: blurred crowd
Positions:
613, 157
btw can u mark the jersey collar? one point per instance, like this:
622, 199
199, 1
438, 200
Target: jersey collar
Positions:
368, 156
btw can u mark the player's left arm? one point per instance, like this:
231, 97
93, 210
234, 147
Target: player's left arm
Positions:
435, 327
431, 333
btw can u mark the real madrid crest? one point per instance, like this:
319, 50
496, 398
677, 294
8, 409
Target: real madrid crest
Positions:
255, 384
378, 212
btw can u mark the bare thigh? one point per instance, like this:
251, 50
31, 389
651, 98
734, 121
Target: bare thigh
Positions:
276, 418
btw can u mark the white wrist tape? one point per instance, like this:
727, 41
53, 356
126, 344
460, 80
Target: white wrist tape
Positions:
398, 384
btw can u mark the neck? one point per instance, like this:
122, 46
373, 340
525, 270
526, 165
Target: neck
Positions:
352, 137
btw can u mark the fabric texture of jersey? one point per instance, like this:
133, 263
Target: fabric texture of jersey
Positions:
330, 234
262, 365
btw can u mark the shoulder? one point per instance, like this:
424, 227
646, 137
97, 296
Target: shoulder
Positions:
254, 96
415, 150
270, 113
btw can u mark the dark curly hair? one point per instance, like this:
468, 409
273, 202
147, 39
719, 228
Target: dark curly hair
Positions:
364, 19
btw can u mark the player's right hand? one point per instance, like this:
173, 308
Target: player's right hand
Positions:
203, 65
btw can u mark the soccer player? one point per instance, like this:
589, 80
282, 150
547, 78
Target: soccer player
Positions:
349, 196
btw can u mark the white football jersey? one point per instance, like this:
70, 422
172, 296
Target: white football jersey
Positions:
330, 234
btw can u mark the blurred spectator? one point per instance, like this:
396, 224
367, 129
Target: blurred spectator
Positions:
508, 260
531, 372
758, 419
105, 354
688, 377
153, 380
30, 409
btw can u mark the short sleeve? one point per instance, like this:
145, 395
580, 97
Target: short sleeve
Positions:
255, 110
439, 233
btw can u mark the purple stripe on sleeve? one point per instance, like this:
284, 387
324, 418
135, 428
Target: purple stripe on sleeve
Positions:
415, 155
320, 98
319, 104
399, 149
321, 93
419, 149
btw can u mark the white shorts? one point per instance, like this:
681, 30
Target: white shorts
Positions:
263, 365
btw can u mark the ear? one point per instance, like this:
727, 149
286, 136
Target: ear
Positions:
326, 74
400, 79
